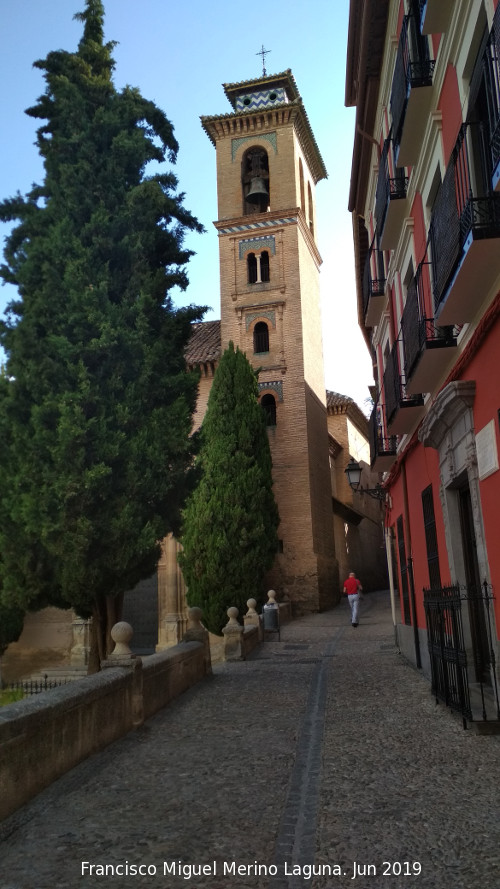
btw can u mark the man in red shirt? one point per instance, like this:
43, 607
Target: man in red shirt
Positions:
352, 588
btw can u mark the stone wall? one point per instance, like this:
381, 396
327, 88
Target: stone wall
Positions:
46, 735
46, 641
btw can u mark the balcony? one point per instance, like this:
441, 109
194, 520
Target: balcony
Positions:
373, 287
495, 154
435, 15
391, 203
411, 91
383, 449
428, 349
491, 66
465, 231
403, 410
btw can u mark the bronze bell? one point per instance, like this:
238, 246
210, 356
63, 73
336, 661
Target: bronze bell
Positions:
258, 191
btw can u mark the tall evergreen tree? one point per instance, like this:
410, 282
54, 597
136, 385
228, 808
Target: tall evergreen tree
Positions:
11, 627
95, 404
230, 522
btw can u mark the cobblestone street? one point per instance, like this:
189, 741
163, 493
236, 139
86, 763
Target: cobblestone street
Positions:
322, 762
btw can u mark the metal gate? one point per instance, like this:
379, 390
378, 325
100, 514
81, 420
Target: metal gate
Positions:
448, 657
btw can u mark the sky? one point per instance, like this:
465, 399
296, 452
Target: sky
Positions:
178, 53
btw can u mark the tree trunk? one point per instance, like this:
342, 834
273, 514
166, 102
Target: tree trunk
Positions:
97, 635
106, 612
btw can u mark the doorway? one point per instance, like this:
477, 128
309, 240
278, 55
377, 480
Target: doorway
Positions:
477, 619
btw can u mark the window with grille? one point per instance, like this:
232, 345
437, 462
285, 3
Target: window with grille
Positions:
431, 539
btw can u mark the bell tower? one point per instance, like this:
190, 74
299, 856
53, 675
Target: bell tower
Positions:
268, 165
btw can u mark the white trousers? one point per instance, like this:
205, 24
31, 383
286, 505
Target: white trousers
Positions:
354, 603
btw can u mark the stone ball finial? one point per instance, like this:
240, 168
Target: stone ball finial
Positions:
195, 614
251, 605
232, 614
272, 597
121, 634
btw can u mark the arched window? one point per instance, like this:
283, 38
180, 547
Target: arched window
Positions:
252, 268
302, 192
264, 266
268, 404
310, 208
261, 337
255, 180
258, 267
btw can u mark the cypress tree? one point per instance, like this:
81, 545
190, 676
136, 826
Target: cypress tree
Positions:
95, 402
230, 523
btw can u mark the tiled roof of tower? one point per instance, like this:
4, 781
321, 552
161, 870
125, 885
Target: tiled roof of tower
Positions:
313, 154
204, 344
285, 79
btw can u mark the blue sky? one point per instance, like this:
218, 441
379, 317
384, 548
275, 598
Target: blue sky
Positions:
179, 54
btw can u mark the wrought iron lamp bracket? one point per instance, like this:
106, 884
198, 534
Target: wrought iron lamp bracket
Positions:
353, 473
378, 493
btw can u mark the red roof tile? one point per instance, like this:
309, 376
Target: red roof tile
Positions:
205, 343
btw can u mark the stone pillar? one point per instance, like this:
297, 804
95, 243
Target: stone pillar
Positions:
271, 595
122, 656
80, 645
252, 619
196, 632
172, 609
233, 637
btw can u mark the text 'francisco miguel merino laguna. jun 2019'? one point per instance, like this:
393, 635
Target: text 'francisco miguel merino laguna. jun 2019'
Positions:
256, 869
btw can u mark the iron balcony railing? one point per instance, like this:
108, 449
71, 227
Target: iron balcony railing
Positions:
450, 672
396, 395
389, 188
413, 69
491, 73
464, 205
373, 276
422, 4
381, 445
419, 330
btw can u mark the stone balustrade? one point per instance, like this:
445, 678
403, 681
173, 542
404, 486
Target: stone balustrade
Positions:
46, 735
240, 640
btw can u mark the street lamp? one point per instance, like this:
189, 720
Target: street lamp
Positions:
353, 473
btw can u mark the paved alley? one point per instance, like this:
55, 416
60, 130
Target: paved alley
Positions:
322, 761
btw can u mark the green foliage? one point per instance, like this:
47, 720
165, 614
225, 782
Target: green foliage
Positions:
95, 402
230, 522
10, 696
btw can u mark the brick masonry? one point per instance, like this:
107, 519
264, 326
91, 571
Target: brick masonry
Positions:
306, 570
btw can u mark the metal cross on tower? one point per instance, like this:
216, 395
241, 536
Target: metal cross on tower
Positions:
263, 52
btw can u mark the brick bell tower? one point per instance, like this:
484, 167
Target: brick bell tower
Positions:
268, 165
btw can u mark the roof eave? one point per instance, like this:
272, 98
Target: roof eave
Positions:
214, 124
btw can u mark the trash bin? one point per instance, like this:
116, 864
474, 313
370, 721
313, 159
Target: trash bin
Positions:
271, 619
